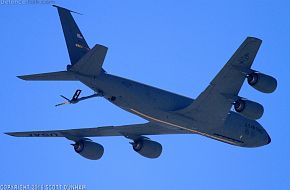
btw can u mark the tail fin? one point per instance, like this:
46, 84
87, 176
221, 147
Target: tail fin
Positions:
84, 60
76, 44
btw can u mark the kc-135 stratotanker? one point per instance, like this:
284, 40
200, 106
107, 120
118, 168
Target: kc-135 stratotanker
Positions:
209, 115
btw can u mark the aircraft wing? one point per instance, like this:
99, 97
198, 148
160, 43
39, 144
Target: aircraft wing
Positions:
215, 102
130, 131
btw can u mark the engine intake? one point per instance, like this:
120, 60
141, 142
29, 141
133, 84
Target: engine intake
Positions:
147, 148
249, 109
261, 82
89, 149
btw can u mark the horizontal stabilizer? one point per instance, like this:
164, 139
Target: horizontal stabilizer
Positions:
52, 76
91, 63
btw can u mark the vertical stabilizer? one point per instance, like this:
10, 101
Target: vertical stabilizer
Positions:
84, 60
76, 44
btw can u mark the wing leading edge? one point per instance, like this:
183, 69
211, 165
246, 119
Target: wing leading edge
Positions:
216, 100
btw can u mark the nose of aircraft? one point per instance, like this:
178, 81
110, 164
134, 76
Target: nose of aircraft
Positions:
264, 140
261, 140
268, 139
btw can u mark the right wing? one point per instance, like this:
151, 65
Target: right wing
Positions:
216, 100
130, 131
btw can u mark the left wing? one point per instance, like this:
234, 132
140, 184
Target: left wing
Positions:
130, 131
214, 103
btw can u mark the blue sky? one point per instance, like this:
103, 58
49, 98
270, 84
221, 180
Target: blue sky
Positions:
177, 46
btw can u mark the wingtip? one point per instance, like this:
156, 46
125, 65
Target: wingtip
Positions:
22, 77
253, 39
9, 133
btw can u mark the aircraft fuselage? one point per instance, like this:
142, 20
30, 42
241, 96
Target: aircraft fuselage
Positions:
158, 106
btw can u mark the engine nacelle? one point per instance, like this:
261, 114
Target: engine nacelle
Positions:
89, 149
261, 82
147, 148
249, 109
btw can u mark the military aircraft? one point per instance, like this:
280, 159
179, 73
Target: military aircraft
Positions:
209, 115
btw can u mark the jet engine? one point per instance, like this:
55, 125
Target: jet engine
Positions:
147, 148
249, 109
261, 82
89, 149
